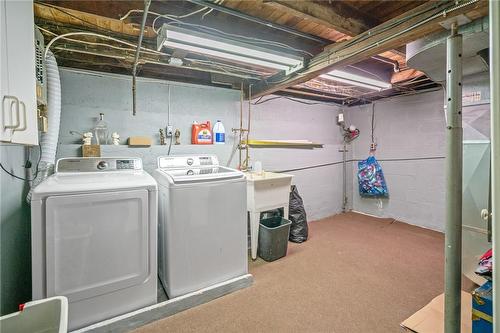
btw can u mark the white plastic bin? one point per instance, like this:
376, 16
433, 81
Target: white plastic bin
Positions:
43, 316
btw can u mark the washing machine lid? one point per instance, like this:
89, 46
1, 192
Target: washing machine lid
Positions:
199, 175
87, 175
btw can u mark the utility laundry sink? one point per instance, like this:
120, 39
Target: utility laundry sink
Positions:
49, 315
265, 191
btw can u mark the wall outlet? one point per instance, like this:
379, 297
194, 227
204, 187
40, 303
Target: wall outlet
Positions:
170, 131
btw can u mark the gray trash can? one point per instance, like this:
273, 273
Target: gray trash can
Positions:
273, 238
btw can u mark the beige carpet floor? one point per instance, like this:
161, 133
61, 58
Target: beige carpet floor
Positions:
354, 274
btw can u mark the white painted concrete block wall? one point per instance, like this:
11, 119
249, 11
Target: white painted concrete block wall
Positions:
410, 127
320, 187
85, 95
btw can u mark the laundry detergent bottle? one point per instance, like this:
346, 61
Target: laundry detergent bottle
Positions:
219, 133
201, 134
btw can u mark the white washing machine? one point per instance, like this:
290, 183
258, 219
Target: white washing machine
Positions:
94, 237
202, 222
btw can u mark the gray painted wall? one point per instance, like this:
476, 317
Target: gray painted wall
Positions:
85, 94
405, 127
15, 262
413, 127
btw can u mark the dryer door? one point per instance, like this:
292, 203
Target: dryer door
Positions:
96, 243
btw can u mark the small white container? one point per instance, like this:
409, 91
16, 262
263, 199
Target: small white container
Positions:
219, 133
258, 167
46, 315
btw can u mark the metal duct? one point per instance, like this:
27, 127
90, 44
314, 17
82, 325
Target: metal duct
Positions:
428, 54
485, 56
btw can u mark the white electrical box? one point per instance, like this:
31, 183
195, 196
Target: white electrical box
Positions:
170, 130
340, 118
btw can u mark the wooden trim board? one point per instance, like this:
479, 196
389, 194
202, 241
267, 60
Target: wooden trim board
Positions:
149, 314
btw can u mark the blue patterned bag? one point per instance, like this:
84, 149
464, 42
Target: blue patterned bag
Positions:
371, 179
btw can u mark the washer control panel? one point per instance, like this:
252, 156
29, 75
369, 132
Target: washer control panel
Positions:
98, 164
187, 161
125, 164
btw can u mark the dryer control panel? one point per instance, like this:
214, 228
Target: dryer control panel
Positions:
97, 164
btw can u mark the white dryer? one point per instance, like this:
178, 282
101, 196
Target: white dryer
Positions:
94, 237
202, 222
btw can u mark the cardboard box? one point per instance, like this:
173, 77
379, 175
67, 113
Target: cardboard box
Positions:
430, 319
482, 309
139, 141
91, 151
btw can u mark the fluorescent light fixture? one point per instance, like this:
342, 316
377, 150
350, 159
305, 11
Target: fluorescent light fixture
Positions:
356, 80
196, 42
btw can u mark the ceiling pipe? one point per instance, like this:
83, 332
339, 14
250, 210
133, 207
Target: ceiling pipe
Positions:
394, 63
266, 23
137, 52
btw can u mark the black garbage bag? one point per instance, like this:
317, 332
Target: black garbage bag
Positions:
298, 229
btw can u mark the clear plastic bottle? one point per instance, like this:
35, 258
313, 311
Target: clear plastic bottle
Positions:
101, 131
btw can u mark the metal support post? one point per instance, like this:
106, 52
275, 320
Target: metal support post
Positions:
495, 150
453, 227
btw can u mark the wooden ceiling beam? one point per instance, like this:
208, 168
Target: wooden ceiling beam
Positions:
335, 15
73, 17
421, 21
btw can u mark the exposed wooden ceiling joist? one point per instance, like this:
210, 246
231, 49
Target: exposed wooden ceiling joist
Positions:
339, 16
73, 17
335, 15
410, 26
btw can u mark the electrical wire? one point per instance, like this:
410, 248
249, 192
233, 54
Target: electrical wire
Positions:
83, 33
246, 70
96, 44
162, 15
173, 17
251, 40
212, 9
74, 16
144, 50
176, 20
373, 123
260, 101
26, 163
170, 145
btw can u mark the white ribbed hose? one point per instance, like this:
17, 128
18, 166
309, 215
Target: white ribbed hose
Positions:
48, 141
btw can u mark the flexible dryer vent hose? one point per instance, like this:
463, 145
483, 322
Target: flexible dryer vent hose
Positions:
48, 141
